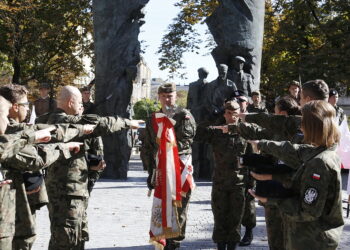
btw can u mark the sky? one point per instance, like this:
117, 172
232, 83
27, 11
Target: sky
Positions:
159, 14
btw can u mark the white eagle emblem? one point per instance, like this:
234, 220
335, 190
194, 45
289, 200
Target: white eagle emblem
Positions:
310, 195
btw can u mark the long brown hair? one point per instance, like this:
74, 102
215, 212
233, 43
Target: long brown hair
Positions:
318, 124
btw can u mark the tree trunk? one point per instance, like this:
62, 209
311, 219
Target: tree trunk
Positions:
238, 28
117, 50
16, 71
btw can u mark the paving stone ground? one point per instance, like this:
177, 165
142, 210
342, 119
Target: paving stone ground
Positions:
119, 217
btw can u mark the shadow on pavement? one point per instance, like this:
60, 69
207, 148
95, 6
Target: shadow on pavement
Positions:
200, 202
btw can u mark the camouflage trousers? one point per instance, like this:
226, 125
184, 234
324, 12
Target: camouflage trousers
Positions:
249, 216
228, 207
7, 216
23, 242
68, 218
274, 228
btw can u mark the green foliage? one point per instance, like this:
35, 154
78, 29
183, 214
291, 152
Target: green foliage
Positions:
182, 36
144, 108
303, 40
181, 98
45, 40
306, 40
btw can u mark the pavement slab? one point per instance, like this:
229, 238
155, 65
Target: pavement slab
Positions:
120, 211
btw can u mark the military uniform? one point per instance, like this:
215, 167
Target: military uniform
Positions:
313, 219
185, 128
256, 109
88, 107
274, 222
26, 205
26, 159
67, 184
228, 192
10, 145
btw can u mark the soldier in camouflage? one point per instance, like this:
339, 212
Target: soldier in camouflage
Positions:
185, 128
250, 131
67, 180
27, 202
16, 154
313, 218
228, 192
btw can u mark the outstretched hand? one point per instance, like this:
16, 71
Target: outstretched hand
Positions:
134, 124
74, 146
5, 182
44, 135
224, 128
88, 128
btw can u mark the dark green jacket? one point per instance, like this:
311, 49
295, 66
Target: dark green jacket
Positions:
227, 148
185, 129
313, 218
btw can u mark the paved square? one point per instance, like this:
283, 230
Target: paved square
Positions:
119, 217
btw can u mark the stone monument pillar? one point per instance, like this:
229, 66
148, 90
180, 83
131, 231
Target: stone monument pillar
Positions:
117, 50
238, 27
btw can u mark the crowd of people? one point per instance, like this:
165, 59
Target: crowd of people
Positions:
65, 144
286, 160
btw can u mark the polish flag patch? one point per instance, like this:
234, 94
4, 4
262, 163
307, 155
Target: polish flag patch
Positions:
316, 176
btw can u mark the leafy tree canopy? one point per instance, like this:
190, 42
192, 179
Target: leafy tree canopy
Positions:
144, 108
303, 40
45, 40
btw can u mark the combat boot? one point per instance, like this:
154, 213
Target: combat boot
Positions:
172, 245
221, 245
247, 238
231, 245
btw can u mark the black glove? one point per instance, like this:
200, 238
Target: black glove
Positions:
150, 185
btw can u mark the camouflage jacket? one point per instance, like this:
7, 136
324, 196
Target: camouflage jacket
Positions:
280, 125
70, 177
227, 148
317, 210
10, 145
185, 129
28, 158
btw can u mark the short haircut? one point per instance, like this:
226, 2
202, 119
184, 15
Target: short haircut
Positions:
288, 104
318, 124
316, 90
83, 89
13, 92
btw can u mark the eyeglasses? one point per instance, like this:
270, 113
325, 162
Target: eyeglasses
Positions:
24, 103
